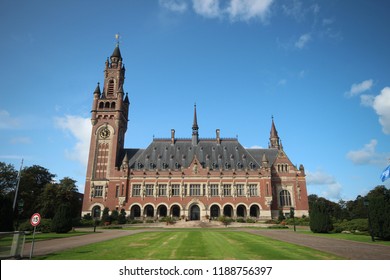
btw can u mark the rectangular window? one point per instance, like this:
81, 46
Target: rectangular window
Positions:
98, 191
149, 190
214, 190
194, 190
227, 190
253, 190
136, 190
240, 190
117, 191
176, 190
162, 190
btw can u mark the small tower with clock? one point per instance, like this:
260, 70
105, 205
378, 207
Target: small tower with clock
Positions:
109, 117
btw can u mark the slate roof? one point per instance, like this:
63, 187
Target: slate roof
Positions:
229, 154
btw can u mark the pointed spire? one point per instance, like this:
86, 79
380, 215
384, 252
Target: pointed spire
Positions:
127, 99
264, 161
116, 53
97, 90
195, 123
195, 127
274, 138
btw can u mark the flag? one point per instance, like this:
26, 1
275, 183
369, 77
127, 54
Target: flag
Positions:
385, 174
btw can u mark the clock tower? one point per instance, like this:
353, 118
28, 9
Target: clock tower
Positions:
109, 115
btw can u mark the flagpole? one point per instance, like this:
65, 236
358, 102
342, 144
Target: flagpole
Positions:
17, 186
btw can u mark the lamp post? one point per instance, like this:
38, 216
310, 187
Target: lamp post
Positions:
366, 203
292, 213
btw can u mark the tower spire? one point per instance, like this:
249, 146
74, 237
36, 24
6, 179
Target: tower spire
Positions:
195, 128
274, 138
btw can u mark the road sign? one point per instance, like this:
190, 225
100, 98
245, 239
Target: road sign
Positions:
35, 219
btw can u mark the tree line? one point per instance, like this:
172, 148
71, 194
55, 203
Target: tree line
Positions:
38, 192
369, 213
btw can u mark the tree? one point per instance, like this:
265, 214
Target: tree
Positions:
122, 217
32, 183
8, 176
6, 214
320, 220
106, 219
62, 220
379, 212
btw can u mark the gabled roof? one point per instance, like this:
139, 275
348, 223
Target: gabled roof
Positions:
228, 155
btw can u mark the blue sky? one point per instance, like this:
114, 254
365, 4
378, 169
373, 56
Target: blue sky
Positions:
321, 68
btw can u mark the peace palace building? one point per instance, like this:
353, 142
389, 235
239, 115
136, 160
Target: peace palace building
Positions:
195, 178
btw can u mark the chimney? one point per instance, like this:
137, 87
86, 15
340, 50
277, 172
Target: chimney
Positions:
218, 137
172, 136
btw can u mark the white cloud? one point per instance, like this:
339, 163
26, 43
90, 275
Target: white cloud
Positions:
80, 128
235, 10
8, 122
302, 41
359, 88
248, 9
179, 6
381, 106
332, 188
368, 155
207, 8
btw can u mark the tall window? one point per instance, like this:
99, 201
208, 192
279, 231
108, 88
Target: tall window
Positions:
149, 190
214, 190
162, 190
136, 190
285, 198
253, 190
98, 191
175, 190
194, 190
227, 190
240, 190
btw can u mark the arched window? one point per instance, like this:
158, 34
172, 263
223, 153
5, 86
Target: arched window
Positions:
96, 212
285, 198
112, 105
101, 105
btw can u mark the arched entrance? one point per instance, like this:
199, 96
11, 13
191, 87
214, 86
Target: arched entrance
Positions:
135, 211
214, 212
96, 210
241, 211
175, 211
254, 211
195, 212
162, 211
228, 211
149, 211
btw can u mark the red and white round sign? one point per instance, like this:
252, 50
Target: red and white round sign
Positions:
35, 219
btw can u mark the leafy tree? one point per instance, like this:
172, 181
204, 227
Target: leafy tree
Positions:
62, 220
106, 216
32, 183
8, 176
122, 217
320, 220
6, 214
379, 211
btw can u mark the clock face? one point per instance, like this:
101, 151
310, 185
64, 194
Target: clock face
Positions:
105, 133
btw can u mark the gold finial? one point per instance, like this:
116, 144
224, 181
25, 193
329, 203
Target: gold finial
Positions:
117, 37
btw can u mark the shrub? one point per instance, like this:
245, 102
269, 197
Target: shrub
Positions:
225, 220
320, 220
44, 226
122, 217
241, 220
249, 220
62, 220
106, 219
352, 225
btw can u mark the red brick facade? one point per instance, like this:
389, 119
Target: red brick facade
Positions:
191, 178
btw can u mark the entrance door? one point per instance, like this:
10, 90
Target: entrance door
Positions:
195, 212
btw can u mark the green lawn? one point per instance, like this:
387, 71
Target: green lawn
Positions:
191, 245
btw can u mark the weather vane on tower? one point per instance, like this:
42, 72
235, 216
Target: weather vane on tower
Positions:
117, 37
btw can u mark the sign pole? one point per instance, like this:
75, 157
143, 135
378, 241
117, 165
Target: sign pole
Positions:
32, 244
35, 220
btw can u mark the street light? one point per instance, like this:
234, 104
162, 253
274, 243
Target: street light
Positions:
292, 213
366, 204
